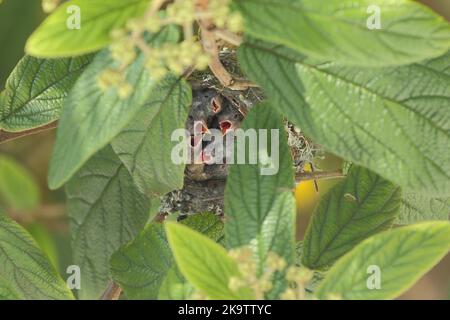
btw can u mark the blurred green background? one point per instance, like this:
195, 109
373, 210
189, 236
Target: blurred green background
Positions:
23, 164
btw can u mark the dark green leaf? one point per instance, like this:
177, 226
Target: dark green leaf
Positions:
260, 209
145, 268
36, 89
106, 211
394, 121
145, 144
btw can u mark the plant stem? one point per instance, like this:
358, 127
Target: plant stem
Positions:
112, 292
9, 136
208, 41
324, 175
228, 36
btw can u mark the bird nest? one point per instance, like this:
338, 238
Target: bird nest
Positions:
204, 184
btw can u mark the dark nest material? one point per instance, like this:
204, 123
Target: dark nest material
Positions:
204, 185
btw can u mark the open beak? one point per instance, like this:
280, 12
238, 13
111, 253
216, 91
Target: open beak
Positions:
201, 127
226, 126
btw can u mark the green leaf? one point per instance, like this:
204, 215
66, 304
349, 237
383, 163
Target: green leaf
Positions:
260, 209
45, 241
24, 269
91, 118
394, 121
18, 188
353, 210
7, 293
403, 256
53, 38
106, 211
141, 266
145, 269
204, 263
145, 144
175, 286
337, 30
36, 89
416, 207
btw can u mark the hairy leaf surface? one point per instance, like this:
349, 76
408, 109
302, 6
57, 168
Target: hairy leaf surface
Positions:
7, 293
36, 89
394, 121
145, 144
24, 270
337, 30
417, 207
260, 209
92, 118
145, 269
106, 211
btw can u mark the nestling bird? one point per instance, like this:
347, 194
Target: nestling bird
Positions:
205, 104
210, 110
229, 118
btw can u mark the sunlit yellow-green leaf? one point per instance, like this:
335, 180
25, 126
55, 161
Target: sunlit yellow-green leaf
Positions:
387, 264
81, 26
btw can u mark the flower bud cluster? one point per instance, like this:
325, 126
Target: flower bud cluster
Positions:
50, 5
260, 283
170, 57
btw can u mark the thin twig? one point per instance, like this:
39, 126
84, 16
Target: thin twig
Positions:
228, 36
208, 40
321, 175
112, 292
9, 136
217, 68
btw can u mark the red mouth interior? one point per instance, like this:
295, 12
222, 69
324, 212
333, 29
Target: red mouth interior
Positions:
225, 126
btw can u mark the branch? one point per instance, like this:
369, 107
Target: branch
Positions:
324, 175
9, 136
112, 292
228, 36
208, 40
